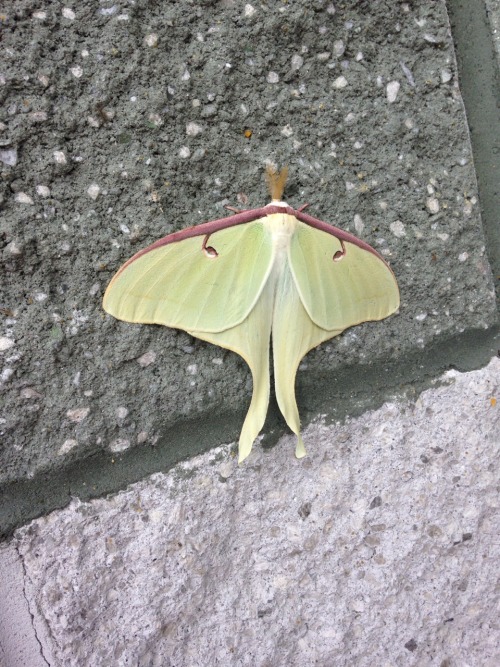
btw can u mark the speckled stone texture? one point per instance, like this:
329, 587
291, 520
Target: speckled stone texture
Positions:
380, 548
123, 122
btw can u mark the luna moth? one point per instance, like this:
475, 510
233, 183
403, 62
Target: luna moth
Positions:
235, 281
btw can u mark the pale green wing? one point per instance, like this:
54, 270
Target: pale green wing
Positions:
224, 298
250, 339
294, 334
357, 287
182, 285
317, 298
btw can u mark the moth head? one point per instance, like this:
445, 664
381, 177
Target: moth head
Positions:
276, 182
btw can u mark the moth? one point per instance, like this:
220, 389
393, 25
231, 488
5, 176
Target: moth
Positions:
271, 273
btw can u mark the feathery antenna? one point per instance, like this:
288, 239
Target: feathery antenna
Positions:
276, 181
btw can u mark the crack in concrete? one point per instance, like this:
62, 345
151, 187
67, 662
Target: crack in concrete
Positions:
28, 605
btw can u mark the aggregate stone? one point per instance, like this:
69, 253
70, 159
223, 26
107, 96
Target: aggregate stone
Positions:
102, 154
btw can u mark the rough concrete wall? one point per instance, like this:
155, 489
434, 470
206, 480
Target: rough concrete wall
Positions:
380, 548
124, 122
474, 26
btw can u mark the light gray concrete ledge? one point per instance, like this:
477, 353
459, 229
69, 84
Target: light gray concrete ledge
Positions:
20, 645
380, 548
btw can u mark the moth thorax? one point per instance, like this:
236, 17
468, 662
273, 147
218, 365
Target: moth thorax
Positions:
281, 227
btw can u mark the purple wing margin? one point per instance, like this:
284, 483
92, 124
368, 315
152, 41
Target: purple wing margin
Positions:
241, 218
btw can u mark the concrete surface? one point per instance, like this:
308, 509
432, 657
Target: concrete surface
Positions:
19, 642
475, 33
380, 548
123, 123
493, 13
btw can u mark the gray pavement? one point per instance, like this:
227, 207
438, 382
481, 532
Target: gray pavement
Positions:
20, 645
380, 548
